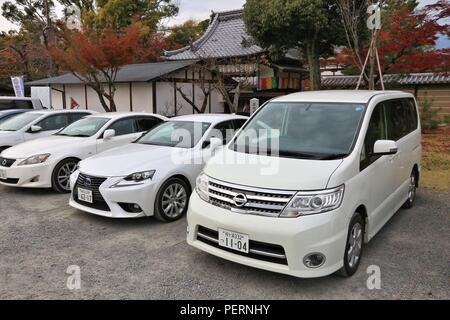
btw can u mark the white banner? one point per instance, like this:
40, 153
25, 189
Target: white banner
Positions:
18, 85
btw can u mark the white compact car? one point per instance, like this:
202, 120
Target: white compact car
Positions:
36, 124
155, 175
49, 162
319, 173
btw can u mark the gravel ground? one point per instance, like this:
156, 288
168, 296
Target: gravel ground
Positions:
40, 236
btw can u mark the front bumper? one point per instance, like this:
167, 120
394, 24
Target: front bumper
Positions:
142, 195
30, 176
324, 233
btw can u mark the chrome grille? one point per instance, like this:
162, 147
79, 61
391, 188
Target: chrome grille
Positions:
266, 202
4, 162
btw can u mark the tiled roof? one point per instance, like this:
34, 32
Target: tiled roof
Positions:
346, 82
142, 72
225, 37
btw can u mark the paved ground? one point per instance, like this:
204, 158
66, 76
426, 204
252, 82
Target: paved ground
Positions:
40, 236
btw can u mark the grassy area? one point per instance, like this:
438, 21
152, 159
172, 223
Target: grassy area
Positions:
436, 159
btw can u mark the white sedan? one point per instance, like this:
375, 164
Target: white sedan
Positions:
49, 162
155, 175
36, 124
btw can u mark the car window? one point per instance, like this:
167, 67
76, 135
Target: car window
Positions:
123, 126
77, 116
20, 121
411, 110
224, 131
397, 119
146, 123
54, 122
85, 127
376, 130
3, 118
238, 123
15, 104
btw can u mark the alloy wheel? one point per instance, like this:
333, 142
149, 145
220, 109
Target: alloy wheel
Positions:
412, 188
354, 245
174, 200
64, 175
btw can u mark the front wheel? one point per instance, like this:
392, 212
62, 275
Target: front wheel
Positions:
61, 175
354, 246
172, 200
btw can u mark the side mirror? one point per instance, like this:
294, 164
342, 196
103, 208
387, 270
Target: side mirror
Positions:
215, 143
34, 129
108, 134
385, 147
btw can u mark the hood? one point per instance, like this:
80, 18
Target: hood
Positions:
271, 172
40, 146
128, 159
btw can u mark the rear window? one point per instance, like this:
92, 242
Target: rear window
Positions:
6, 104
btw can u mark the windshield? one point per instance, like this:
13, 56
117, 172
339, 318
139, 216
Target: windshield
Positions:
302, 130
85, 127
18, 122
182, 134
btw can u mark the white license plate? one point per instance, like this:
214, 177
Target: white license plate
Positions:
2, 174
233, 240
85, 195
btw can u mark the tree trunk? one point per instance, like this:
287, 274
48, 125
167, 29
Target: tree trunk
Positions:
313, 64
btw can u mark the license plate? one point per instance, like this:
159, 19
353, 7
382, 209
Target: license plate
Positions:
2, 174
85, 195
233, 240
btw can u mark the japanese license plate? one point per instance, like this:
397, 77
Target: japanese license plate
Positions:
84, 195
233, 240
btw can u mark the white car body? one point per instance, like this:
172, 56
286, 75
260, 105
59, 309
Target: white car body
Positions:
12, 138
109, 168
60, 148
376, 191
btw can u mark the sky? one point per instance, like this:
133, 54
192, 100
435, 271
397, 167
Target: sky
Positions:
201, 9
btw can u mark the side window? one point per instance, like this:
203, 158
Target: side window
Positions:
375, 131
397, 119
77, 116
238, 123
146, 123
413, 121
54, 122
224, 131
123, 126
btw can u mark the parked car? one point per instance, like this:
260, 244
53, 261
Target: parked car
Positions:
346, 161
8, 114
36, 124
19, 103
153, 176
49, 161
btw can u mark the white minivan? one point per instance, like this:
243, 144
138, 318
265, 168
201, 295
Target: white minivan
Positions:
308, 180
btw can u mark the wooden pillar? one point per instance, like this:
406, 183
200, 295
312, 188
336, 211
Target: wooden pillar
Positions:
175, 97
210, 94
85, 97
131, 96
64, 97
193, 90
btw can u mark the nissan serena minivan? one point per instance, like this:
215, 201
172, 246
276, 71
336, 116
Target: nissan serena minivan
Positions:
309, 179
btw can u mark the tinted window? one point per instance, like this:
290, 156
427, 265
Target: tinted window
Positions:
397, 119
123, 126
238, 123
77, 116
15, 104
375, 131
223, 131
410, 106
146, 123
54, 122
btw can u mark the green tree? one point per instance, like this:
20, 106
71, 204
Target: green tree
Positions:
311, 25
186, 33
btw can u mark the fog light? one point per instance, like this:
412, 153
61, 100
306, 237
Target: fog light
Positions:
35, 179
314, 260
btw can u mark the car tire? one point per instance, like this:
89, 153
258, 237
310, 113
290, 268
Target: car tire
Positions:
354, 246
172, 200
412, 189
61, 175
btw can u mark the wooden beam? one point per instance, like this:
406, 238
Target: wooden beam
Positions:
85, 97
64, 97
131, 96
175, 97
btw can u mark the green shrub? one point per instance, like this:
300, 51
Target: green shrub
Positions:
428, 116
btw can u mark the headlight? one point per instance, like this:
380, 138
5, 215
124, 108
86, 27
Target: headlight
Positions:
40, 158
305, 203
202, 186
135, 179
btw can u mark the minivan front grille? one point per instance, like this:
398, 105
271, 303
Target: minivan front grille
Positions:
4, 162
257, 201
257, 250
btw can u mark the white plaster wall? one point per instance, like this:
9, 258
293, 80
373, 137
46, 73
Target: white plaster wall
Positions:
142, 97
